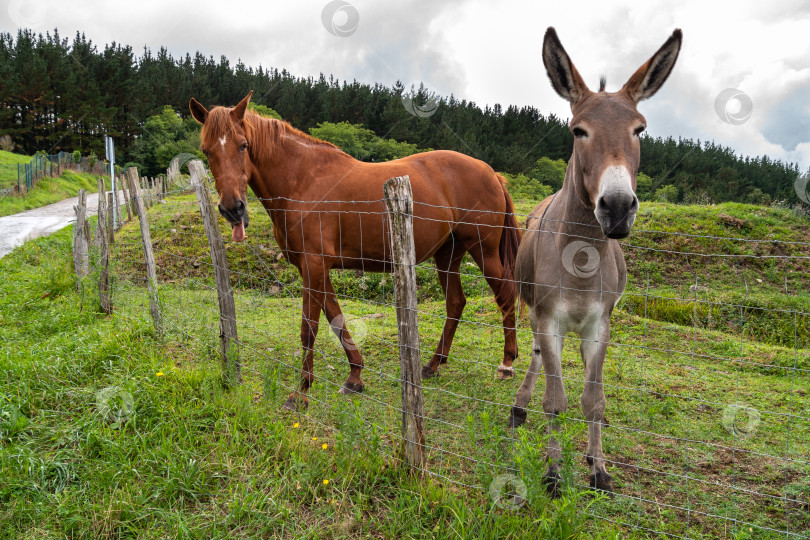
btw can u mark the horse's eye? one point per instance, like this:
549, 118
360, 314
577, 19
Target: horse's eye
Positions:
639, 130
579, 132
243, 147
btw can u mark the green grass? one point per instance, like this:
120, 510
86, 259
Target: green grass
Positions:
50, 190
94, 443
8, 168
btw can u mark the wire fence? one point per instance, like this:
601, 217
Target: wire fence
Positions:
707, 375
52, 165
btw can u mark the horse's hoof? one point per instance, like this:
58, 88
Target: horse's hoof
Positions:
602, 481
517, 417
505, 372
427, 374
295, 405
552, 482
350, 388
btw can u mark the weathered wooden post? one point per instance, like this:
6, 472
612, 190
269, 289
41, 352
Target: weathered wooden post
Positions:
146, 239
102, 241
126, 196
228, 338
81, 241
399, 204
110, 217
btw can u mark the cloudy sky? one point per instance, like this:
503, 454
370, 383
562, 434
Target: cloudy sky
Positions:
742, 79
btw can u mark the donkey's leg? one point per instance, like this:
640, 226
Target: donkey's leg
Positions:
354, 384
547, 347
311, 314
505, 295
448, 261
593, 348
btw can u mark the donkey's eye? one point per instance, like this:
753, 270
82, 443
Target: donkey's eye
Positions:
579, 132
639, 130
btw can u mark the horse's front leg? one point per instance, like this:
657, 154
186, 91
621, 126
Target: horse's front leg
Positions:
546, 348
593, 348
354, 384
310, 316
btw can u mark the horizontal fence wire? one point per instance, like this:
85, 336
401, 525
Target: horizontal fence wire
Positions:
707, 428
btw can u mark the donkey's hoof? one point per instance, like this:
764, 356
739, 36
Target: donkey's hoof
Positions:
295, 404
505, 372
350, 388
602, 481
517, 417
427, 373
552, 481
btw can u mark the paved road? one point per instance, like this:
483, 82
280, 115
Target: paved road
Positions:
17, 229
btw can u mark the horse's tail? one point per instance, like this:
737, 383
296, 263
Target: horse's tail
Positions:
510, 241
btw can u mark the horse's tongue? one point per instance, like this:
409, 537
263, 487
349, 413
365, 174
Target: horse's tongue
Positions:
238, 234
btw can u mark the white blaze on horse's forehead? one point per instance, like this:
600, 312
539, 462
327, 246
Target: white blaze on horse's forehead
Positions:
616, 178
222, 141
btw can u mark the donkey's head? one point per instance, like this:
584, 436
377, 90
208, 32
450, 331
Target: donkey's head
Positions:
224, 141
606, 128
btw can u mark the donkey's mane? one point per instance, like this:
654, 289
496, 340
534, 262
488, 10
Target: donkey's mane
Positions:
263, 133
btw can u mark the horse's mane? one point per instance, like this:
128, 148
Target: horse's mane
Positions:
263, 133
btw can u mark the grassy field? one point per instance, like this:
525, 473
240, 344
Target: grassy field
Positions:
8, 167
46, 191
108, 430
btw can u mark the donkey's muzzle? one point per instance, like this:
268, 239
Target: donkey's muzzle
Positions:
616, 213
237, 214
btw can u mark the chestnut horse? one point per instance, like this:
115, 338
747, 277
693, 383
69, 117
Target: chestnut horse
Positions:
570, 269
327, 212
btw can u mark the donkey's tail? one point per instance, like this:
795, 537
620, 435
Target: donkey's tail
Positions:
510, 241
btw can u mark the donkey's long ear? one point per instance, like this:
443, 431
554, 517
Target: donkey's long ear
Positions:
238, 112
565, 78
199, 112
651, 76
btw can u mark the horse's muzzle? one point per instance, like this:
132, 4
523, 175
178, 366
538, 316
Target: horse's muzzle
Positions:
237, 214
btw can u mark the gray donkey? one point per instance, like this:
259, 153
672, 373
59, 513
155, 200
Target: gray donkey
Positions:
570, 269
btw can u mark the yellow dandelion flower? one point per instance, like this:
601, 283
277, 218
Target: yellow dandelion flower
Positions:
295, 425
324, 446
314, 438
159, 374
326, 482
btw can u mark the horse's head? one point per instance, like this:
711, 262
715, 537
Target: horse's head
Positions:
606, 128
224, 141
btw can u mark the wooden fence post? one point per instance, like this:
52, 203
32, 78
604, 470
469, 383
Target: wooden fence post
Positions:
228, 339
146, 239
126, 196
110, 214
102, 240
81, 241
399, 204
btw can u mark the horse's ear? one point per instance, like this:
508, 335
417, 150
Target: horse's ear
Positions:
199, 112
238, 112
565, 78
651, 76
